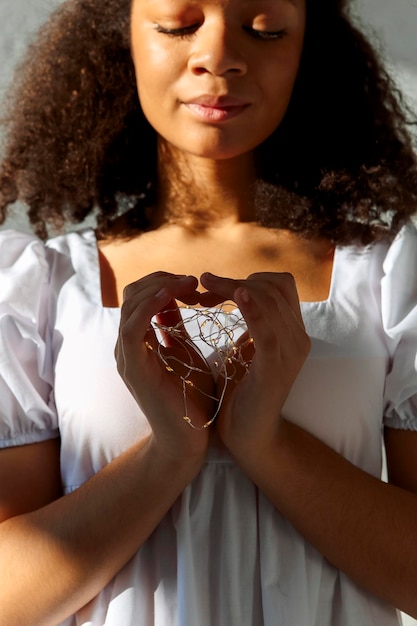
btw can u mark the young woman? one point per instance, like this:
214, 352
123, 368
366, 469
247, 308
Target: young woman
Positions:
252, 152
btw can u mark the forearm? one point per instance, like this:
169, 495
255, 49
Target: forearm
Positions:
54, 560
363, 526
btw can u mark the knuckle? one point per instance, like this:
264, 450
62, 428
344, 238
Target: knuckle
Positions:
287, 278
127, 332
128, 292
120, 368
303, 346
120, 365
268, 341
125, 312
306, 345
256, 276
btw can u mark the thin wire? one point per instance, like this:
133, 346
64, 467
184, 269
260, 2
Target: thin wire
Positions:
219, 337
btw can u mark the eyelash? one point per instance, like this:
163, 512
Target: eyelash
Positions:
187, 32
265, 35
182, 33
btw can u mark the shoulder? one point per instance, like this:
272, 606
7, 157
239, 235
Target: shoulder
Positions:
387, 253
402, 253
399, 317
24, 267
388, 265
399, 279
382, 277
75, 263
18, 246
31, 268
71, 243
26, 414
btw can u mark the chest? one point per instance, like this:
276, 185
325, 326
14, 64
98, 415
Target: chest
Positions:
338, 395
310, 263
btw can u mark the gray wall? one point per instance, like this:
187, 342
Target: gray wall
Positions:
18, 20
393, 23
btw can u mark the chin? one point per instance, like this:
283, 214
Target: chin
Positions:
218, 153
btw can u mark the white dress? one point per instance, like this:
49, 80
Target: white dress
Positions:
223, 555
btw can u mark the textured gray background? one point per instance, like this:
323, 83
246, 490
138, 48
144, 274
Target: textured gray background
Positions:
392, 22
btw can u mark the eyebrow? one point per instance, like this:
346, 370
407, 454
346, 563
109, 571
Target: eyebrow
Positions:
286, 1
293, 2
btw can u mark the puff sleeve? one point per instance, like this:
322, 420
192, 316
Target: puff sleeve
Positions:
27, 412
399, 317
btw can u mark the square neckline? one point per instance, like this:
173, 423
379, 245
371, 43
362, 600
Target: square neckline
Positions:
91, 236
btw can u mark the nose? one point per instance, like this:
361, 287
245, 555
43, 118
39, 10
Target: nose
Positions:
217, 51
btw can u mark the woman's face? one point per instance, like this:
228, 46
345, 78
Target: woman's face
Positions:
215, 76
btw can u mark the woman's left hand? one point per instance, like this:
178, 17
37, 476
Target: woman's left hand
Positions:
278, 346
361, 525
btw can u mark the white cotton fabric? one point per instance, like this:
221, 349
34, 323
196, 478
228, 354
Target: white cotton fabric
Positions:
222, 556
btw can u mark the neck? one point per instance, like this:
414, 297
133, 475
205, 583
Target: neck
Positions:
199, 193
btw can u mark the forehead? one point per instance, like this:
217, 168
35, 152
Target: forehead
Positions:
258, 4
240, 9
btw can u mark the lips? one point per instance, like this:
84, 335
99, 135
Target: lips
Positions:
215, 108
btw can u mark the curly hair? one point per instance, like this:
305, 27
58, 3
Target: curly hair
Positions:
340, 165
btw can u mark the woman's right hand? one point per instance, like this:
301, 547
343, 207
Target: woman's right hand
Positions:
159, 392
42, 534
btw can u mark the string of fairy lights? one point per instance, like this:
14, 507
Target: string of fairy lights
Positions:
220, 329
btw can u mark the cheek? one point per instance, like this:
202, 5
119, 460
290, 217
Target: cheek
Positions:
281, 78
153, 84
148, 73
155, 68
278, 81
150, 57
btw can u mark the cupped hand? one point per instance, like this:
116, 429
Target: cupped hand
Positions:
152, 369
276, 347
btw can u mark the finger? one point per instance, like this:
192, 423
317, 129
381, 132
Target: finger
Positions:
137, 335
137, 312
270, 282
180, 282
170, 324
285, 283
190, 299
274, 308
157, 278
146, 289
269, 303
209, 299
242, 355
219, 288
275, 327
258, 299
136, 340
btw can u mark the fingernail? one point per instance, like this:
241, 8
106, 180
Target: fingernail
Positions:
244, 296
162, 294
184, 279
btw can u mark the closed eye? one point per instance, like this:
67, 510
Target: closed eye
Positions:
188, 31
182, 33
265, 35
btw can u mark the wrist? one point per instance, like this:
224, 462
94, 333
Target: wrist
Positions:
178, 461
248, 448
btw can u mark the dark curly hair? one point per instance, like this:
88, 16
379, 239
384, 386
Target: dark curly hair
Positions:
341, 164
